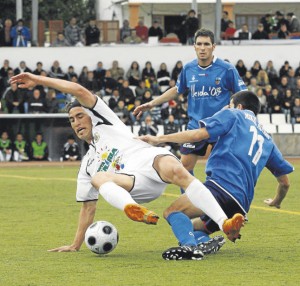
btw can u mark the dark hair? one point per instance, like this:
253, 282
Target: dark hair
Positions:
247, 99
204, 33
72, 104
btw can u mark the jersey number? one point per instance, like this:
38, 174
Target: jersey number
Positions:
257, 138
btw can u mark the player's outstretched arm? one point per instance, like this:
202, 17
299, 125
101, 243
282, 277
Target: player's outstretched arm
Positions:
282, 189
180, 137
28, 80
166, 96
86, 217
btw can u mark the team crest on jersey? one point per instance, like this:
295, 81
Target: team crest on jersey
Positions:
217, 80
193, 79
96, 137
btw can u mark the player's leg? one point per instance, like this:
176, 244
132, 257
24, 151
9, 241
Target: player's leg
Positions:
189, 162
115, 189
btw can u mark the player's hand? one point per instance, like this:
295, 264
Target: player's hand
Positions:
138, 111
66, 248
271, 203
153, 140
24, 80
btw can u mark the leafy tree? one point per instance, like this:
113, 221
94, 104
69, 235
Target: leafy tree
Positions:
83, 10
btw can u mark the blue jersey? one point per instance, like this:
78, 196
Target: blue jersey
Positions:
242, 150
210, 88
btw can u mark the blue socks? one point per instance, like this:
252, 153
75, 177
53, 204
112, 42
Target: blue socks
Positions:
201, 236
182, 228
192, 173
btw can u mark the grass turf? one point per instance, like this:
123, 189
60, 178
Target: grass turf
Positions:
38, 212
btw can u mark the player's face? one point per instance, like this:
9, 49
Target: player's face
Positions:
81, 123
204, 49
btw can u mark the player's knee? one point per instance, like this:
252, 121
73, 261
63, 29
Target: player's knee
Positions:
99, 179
180, 173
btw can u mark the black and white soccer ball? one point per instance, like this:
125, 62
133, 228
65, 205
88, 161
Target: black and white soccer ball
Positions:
101, 237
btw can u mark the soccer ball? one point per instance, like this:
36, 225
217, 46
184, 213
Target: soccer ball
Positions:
101, 237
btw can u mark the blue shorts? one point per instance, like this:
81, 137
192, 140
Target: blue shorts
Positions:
198, 148
227, 203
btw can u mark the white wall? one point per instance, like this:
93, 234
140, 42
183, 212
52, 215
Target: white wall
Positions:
89, 56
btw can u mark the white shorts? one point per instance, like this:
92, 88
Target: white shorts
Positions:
147, 183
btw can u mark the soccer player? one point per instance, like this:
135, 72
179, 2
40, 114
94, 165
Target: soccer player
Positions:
243, 148
210, 82
124, 170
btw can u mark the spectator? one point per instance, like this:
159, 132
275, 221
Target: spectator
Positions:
262, 79
73, 33
39, 68
296, 91
14, 99
56, 71
133, 38
171, 127
133, 119
99, 74
109, 84
295, 112
163, 75
287, 102
148, 127
177, 70
20, 34
141, 88
127, 95
22, 68
122, 112
4, 69
5, 147
70, 73
274, 102
133, 74
170, 108
283, 85
268, 90
125, 31
70, 150
283, 32
116, 71
5, 36
52, 102
243, 33
92, 34
5, 82
267, 22
281, 21
146, 97
252, 86
229, 32
284, 70
36, 104
114, 99
148, 74
90, 82
191, 25
260, 33
60, 41
292, 79
142, 31
262, 99
255, 68
241, 68
224, 21
83, 75
21, 149
39, 148
155, 30
272, 73
294, 24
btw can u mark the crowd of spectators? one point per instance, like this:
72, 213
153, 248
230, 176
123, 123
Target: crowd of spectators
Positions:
123, 89
277, 26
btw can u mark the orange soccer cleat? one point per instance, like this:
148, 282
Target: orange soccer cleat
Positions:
232, 227
141, 214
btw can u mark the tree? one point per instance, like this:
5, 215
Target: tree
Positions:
83, 10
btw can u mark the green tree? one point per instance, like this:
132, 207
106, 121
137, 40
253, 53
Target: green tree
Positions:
83, 10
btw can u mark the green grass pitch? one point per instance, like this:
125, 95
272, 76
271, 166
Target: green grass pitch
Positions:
38, 212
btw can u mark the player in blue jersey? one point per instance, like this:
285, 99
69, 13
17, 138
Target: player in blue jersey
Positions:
210, 82
242, 149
